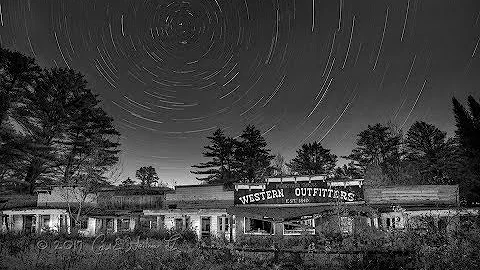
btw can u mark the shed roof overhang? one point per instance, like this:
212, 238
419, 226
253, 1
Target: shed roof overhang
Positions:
281, 213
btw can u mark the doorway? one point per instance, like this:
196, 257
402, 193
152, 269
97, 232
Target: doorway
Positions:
29, 224
205, 224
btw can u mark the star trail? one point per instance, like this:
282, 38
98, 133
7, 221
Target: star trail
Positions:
171, 72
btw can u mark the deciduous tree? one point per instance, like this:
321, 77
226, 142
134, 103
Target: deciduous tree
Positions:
127, 182
312, 159
147, 176
378, 144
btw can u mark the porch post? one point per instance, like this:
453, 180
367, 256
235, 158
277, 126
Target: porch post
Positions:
115, 225
38, 228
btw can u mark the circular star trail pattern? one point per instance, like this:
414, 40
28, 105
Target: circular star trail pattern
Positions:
171, 72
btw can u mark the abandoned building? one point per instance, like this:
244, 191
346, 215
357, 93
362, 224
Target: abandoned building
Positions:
286, 206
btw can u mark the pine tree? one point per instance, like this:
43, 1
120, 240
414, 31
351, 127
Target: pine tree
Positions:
66, 123
18, 73
468, 136
313, 159
60, 128
430, 154
252, 158
220, 168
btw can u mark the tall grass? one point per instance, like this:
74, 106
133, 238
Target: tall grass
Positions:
426, 249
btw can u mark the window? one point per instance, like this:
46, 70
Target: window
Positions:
123, 224
84, 224
148, 223
45, 221
223, 224
179, 223
109, 225
258, 226
394, 222
5, 221
303, 225
187, 222
346, 225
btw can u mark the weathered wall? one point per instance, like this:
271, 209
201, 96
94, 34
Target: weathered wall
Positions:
416, 194
62, 196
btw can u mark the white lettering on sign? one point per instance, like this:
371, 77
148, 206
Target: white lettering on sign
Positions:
324, 192
261, 196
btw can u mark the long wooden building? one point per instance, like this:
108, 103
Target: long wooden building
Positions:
287, 206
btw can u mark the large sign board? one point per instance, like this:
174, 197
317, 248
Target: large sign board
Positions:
298, 193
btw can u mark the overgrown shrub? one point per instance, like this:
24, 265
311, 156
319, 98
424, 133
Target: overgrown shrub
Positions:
425, 249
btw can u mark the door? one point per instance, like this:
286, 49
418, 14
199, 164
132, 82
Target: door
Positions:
63, 225
29, 224
205, 226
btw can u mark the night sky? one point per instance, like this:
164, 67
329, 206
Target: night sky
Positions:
170, 72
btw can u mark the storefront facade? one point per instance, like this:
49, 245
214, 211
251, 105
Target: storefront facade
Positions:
298, 206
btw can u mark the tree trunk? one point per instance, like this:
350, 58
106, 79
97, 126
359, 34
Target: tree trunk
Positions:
33, 172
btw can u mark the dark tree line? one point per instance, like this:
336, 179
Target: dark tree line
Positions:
383, 156
52, 128
231, 160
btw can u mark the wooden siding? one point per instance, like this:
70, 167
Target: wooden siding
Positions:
201, 204
131, 201
418, 194
196, 193
17, 201
63, 196
197, 197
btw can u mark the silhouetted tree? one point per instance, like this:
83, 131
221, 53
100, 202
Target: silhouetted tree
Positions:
252, 158
312, 159
52, 125
68, 126
147, 176
430, 154
380, 145
127, 182
220, 167
18, 74
468, 136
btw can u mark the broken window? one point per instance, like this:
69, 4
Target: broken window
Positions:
84, 223
5, 221
346, 225
179, 223
258, 226
394, 222
123, 224
45, 219
148, 223
303, 225
223, 224
109, 226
